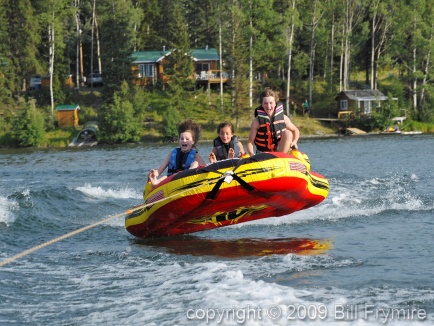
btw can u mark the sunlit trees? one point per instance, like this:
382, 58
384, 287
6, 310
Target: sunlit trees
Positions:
297, 46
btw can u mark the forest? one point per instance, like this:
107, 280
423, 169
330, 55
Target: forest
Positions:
312, 49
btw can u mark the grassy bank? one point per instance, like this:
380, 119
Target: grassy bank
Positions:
205, 110
308, 127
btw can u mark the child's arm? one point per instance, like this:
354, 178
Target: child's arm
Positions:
242, 152
198, 161
253, 130
165, 163
154, 174
295, 132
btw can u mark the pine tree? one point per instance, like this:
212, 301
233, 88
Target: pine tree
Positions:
180, 66
24, 38
149, 37
202, 21
28, 126
239, 50
6, 68
118, 19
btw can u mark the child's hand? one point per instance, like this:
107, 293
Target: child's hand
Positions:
212, 158
153, 175
231, 153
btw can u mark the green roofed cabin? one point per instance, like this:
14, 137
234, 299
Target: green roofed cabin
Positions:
148, 66
67, 115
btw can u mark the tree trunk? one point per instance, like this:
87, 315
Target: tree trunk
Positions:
414, 82
341, 65
346, 62
91, 47
373, 27
250, 64
77, 59
288, 75
312, 51
332, 43
81, 60
51, 61
425, 75
220, 61
98, 46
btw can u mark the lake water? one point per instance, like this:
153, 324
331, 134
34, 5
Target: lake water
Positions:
378, 221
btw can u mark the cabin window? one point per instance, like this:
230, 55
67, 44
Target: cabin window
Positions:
367, 107
344, 104
201, 67
146, 70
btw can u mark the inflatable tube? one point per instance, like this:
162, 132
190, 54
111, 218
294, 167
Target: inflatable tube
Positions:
228, 192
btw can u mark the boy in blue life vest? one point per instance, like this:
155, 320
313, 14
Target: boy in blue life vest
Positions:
182, 158
271, 130
226, 145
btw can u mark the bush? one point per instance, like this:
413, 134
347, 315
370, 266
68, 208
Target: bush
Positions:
28, 126
86, 114
119, 122
171, 120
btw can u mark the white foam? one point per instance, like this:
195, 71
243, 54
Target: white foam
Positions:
99, 193
161, 289
226, 293
7, 208
368, 197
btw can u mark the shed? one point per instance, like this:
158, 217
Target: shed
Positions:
67, 115
360, 100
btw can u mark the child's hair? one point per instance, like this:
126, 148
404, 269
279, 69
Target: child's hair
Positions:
225, 124
269, 92
190, 126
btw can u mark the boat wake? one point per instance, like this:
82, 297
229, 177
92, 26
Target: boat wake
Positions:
365, 197
100, 193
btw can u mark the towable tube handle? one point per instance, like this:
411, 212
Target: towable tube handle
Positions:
213, 193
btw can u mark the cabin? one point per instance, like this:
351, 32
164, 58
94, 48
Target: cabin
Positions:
67, 115
148, 67
361, 101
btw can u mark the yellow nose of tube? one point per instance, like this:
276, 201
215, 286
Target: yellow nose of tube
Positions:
302, 157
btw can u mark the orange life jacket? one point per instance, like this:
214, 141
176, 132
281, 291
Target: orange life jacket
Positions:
269, 131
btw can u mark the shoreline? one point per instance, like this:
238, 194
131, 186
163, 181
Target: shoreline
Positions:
156, 141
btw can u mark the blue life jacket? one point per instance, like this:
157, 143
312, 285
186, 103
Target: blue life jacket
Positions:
180, 161
222, 149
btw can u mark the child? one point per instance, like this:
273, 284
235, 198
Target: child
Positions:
182, 158
226, 145
271, 130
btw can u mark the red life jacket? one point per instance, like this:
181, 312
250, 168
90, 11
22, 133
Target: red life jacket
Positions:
270, 130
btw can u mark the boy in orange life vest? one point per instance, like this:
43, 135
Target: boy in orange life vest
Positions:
182, 158
271, 130
226, 145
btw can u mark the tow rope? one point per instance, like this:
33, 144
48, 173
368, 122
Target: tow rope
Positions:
85, 228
